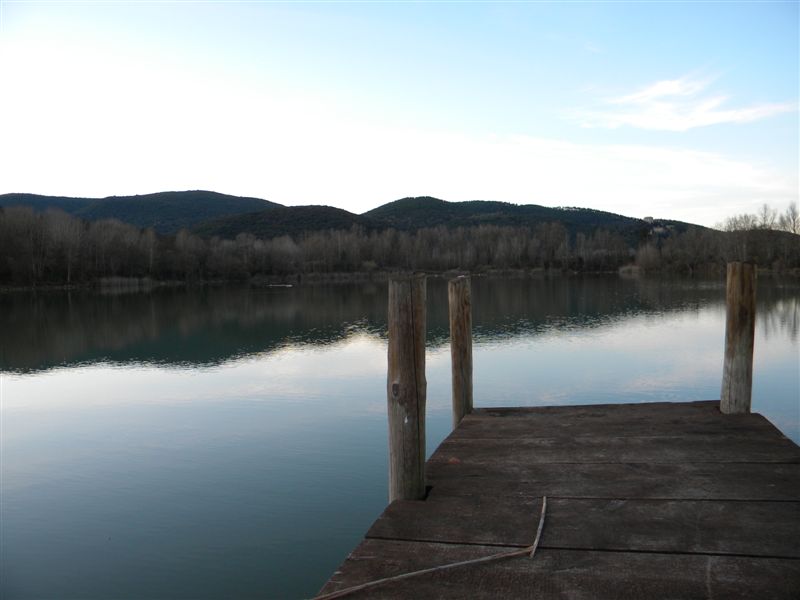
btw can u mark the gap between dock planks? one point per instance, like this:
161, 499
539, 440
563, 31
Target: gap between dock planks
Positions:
644, 500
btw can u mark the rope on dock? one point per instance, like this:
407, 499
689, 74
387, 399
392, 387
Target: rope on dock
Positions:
529, 550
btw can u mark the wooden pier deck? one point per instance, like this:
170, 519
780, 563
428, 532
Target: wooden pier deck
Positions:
644, 501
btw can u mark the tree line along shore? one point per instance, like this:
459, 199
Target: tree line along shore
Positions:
52, 247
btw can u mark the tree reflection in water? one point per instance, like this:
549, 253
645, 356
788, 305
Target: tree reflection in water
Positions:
213, 325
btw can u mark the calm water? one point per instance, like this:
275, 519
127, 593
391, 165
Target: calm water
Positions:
232, 442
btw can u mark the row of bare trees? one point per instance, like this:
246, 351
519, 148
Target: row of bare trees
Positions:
706, 250
766, 218
52, 247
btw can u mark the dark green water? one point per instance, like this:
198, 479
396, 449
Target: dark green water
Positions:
232, 442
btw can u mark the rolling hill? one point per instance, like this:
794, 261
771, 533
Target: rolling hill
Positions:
210, 214
38, 202
413, 213
284, 220
166, 212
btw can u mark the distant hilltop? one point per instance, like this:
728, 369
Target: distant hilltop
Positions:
210, 214
166, 212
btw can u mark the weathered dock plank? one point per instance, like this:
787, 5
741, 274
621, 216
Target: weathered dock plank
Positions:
617, 420
653, 500
693, 481
473, 455
716, 527
567, 574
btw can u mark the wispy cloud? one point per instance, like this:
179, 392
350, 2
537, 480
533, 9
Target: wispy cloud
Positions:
675, 105
593, 48
569, 41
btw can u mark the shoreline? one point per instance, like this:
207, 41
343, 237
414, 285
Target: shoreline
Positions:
145, 284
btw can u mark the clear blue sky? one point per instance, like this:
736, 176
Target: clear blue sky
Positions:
677, 110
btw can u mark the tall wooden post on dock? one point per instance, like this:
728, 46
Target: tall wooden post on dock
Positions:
406, 388
737, 371
460, 305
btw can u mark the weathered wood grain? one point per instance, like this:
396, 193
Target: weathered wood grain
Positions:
406, 387
567, 574
461, 520
460, 310
676, 481
737, 369
476, 455
626, 420
770, 529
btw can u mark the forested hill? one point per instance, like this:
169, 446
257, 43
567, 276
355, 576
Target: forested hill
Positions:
166, 212
210, 214
284, 220
415, 213
411, 214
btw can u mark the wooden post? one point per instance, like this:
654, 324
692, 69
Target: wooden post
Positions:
737, 370
460, 305
406, 388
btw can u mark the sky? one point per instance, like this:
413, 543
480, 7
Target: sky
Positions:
678, 110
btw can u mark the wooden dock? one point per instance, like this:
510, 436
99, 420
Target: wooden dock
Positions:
644, 501
662, 500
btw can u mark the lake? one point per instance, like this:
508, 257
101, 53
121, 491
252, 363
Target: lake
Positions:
232, 442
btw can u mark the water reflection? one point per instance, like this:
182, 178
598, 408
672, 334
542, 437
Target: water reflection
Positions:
253, 464
209, 326
782, 317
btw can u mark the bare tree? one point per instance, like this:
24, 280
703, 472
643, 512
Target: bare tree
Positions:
148, 242
790, 219
767, 217
743, 222
66, 234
